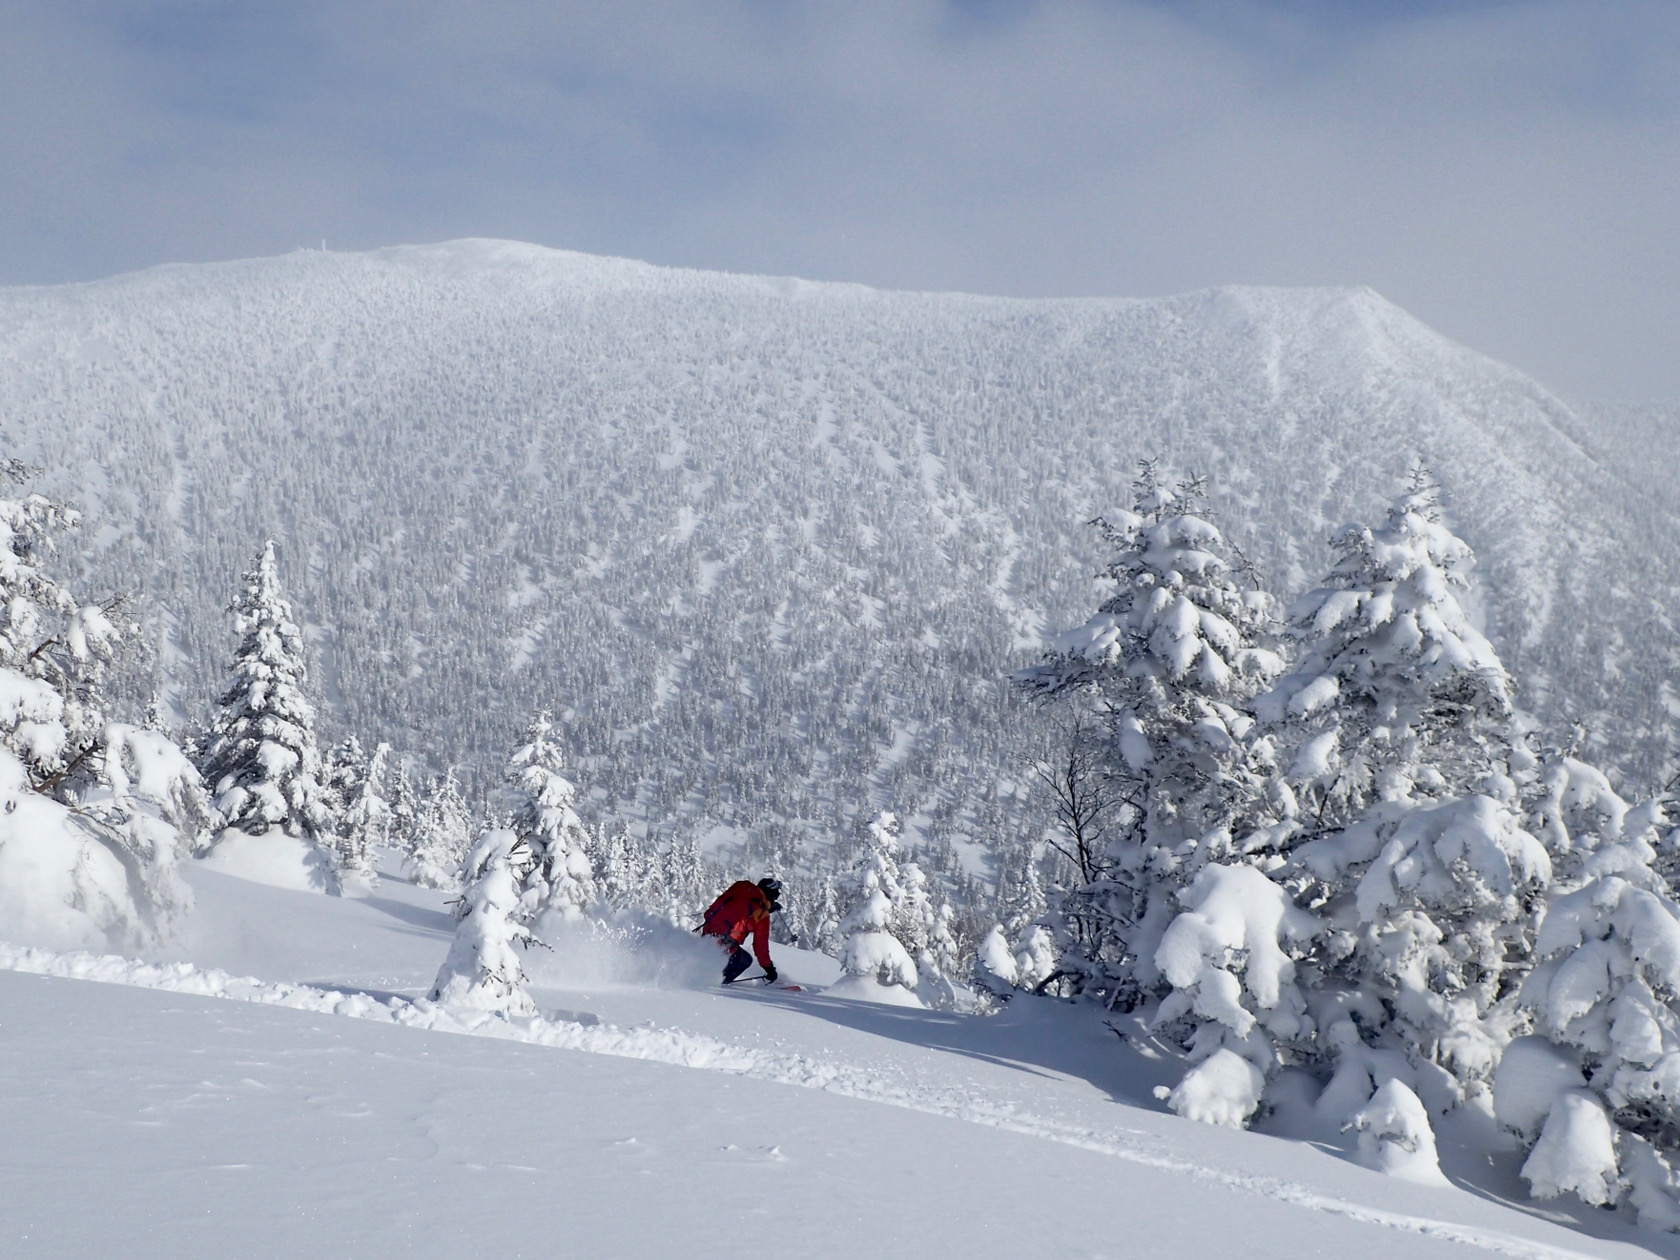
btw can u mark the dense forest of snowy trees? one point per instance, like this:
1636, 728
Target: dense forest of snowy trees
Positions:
769, 549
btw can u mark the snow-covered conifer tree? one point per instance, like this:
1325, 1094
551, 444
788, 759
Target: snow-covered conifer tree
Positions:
364, 819
1594, 1091
922, 923
1023, 935
483, 971
441, 836
53, 648
875, 960
262, 764
342, 772
405, 809
1170, 663
557, 877
684, 882
813, 913
1400, 717
618, 867
1395, 694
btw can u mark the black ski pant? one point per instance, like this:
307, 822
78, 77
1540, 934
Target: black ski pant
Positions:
739, 961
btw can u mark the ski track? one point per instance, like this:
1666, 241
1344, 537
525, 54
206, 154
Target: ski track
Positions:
661, 1045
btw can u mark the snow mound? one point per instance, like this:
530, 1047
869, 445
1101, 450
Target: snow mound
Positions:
1576, 1151
1395, 1136
1224, 1088
867, 989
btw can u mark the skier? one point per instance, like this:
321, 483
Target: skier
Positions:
745, 908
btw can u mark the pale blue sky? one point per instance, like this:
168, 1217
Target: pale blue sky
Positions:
1508, 171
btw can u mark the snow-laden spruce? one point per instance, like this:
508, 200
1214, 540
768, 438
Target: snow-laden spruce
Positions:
555, 873
93, 815
53, 648
405, 809
1019, 951
877, 964
355, 783
441, 836
1394, 692
1170, 662
263, 764
620, 866
922, 923
1413, 851
1595, 1090
483, 970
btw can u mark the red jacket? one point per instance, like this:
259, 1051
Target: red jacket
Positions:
742, 908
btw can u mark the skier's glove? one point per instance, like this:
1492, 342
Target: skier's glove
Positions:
770, 972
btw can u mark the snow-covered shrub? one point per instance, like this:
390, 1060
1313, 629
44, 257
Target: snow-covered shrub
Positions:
483, 969
63, 881
1596, 1089
1224, 1088
151, 798
1395, 1135
1426, 906
556, 877
262, 764
1170, 661
994, 966
1036, 957
1233, 985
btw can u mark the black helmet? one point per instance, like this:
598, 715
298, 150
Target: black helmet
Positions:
772, 889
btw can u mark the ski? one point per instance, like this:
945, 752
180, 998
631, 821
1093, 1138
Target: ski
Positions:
766, 982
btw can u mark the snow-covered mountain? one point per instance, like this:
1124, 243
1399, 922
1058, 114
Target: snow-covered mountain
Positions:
770, 548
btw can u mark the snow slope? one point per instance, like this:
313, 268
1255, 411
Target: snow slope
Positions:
319, 1106
772, 546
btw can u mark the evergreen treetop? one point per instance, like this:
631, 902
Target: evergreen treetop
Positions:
1395, 691
263, 764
